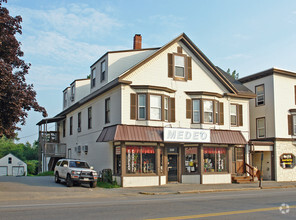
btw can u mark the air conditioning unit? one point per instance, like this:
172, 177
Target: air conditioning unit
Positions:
72, 98
79, 129
79, 149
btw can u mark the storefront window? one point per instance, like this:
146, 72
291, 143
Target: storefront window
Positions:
191, 160
117, 163
161, 160
215, 159
140, 159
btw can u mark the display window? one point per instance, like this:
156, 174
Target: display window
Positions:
140, 159
191, 160
215, 159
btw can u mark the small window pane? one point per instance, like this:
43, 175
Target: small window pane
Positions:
179, 66
142, 106
155, 107
233, 114
208, 111
196, 111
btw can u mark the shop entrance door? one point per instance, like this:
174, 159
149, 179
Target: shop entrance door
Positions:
172, 167
238, 161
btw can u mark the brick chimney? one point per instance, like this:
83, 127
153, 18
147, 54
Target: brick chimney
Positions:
137, 42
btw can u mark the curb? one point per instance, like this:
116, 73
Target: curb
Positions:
216, 190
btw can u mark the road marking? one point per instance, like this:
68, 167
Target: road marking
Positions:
220, 213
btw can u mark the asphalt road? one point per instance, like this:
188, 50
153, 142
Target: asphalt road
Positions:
263, 204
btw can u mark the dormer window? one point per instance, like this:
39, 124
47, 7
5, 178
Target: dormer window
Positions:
93, 78
72, 93
260, 99
65, 99
103, 71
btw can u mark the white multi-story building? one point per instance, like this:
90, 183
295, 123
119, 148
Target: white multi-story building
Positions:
154, 116
273, 123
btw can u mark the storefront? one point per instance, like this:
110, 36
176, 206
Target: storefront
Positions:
147, 156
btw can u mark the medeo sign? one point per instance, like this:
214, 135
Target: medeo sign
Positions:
186, 135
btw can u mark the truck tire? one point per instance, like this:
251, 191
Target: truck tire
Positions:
69, 181
57, 178
93, 184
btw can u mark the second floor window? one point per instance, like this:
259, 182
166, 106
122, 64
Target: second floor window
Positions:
260, 99
166, 108
79, 122
155, 107
89, 118
260, 122
196, 111
71, 125
208, 111
93, 78
233, 114
107, 110
142, 106
64, 128
103, 71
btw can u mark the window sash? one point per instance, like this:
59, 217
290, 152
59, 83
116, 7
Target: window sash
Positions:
103, 69
233, 114
179, 66
166, 108
196, 111
261, 127
142, 106
107, 110
71, 125
93, 77
294, 124
89, 117
208, 111
260, 99
155, 107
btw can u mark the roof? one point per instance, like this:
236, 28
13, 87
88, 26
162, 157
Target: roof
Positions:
155, 134
50, 120
265, 73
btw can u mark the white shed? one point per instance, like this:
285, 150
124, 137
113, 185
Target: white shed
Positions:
10, 165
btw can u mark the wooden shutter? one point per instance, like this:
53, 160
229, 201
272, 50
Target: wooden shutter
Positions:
189, 68
188, 108
170, 66
290, 128
240, 115
133, 106
172, 117
221, 114
179, 49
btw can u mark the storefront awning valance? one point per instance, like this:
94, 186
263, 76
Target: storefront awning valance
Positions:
155, 134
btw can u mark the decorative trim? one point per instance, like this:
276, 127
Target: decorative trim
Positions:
241, 95
159, 88
204, 93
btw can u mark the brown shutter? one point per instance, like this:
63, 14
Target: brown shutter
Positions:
201, 111
179, 49
221, 114
188, 108
240, 115
290, 128
189, 68
133, 106
170, 65
172, 110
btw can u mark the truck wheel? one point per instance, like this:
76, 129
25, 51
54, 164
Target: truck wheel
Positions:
93, 184
69, 181
57, 178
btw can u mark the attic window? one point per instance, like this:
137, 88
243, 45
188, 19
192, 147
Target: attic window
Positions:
9, 160
179, 66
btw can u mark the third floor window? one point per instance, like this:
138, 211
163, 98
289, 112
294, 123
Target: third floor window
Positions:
260, 99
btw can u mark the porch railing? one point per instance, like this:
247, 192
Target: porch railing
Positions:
54, 150
252, 171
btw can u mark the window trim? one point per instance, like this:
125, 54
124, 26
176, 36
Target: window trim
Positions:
236, 115
256, 100
257, 128
107, 110
180, 78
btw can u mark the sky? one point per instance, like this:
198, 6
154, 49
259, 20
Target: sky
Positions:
63, 38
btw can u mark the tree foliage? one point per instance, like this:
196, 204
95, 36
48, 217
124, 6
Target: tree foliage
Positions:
16, 96
234, 74
25, 152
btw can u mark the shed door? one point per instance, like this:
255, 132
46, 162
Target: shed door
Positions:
18, 171
3, 171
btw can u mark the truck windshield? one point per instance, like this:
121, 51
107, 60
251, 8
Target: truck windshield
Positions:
78, 164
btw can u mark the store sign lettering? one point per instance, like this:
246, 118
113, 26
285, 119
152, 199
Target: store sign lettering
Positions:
186, 135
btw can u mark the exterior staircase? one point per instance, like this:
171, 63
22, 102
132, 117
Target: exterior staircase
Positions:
242, 179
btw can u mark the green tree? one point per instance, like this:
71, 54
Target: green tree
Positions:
234, 74
16, 96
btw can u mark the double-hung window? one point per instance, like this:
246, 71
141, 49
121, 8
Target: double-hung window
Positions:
260, 127
89, 118
233, 114
93, 78
79, 122
260, 99
71, 125
208, 111
65, 99
179, 66
142, 106
166, 108
196, 110
103, 70
216, 112
294, 124
107, 110
155, 107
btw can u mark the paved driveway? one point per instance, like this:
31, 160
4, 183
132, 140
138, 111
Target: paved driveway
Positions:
43, 181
